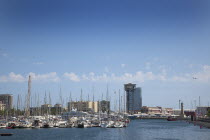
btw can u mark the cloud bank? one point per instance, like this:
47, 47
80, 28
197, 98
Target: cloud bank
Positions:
139, 76
18, 78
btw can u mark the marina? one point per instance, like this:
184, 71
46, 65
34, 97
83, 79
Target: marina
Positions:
112, 120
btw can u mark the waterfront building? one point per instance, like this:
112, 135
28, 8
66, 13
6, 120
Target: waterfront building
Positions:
104, 106
94, 106
7, 99
201, 111
157, 111
151, 110
79, 106
154, 110
84, 106
46, 105
178, 111
58, 105
133, 98
167, 111
35, 111
45, 109
2, 106
57, 109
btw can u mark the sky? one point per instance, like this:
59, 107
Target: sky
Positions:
66, 46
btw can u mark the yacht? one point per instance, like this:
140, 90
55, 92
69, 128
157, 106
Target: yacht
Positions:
3, 125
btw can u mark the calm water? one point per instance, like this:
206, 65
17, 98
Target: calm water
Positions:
138, 129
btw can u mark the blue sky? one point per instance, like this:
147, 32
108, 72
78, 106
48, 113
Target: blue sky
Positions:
157, 44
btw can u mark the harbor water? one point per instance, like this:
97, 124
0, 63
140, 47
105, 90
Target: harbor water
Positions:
137, 130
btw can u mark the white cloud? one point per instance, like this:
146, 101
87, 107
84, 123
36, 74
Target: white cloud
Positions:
126, 77
84, 77
72, 76
48, 77
12, 77
123, 65
179, 78
202, 76
18, 78
3, 79
139, 76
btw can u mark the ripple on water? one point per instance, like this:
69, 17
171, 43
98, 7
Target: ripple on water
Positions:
137, 130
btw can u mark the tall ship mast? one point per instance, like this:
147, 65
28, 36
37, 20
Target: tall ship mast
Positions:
27, 112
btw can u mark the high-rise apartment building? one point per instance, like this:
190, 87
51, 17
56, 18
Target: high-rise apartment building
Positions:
133, 98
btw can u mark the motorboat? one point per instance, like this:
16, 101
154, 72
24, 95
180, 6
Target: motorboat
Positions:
47, 125
110, 124
103, 124
64, 125
170, 118
11, 125
118, 124
3, 125
36, 124
80, 125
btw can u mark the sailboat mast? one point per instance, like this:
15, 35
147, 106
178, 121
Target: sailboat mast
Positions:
18, 103
27, 113
119, 100
70, 102
61, 101
49, 104
107, 93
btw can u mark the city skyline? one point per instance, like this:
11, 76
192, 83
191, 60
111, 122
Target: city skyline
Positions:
162, 46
